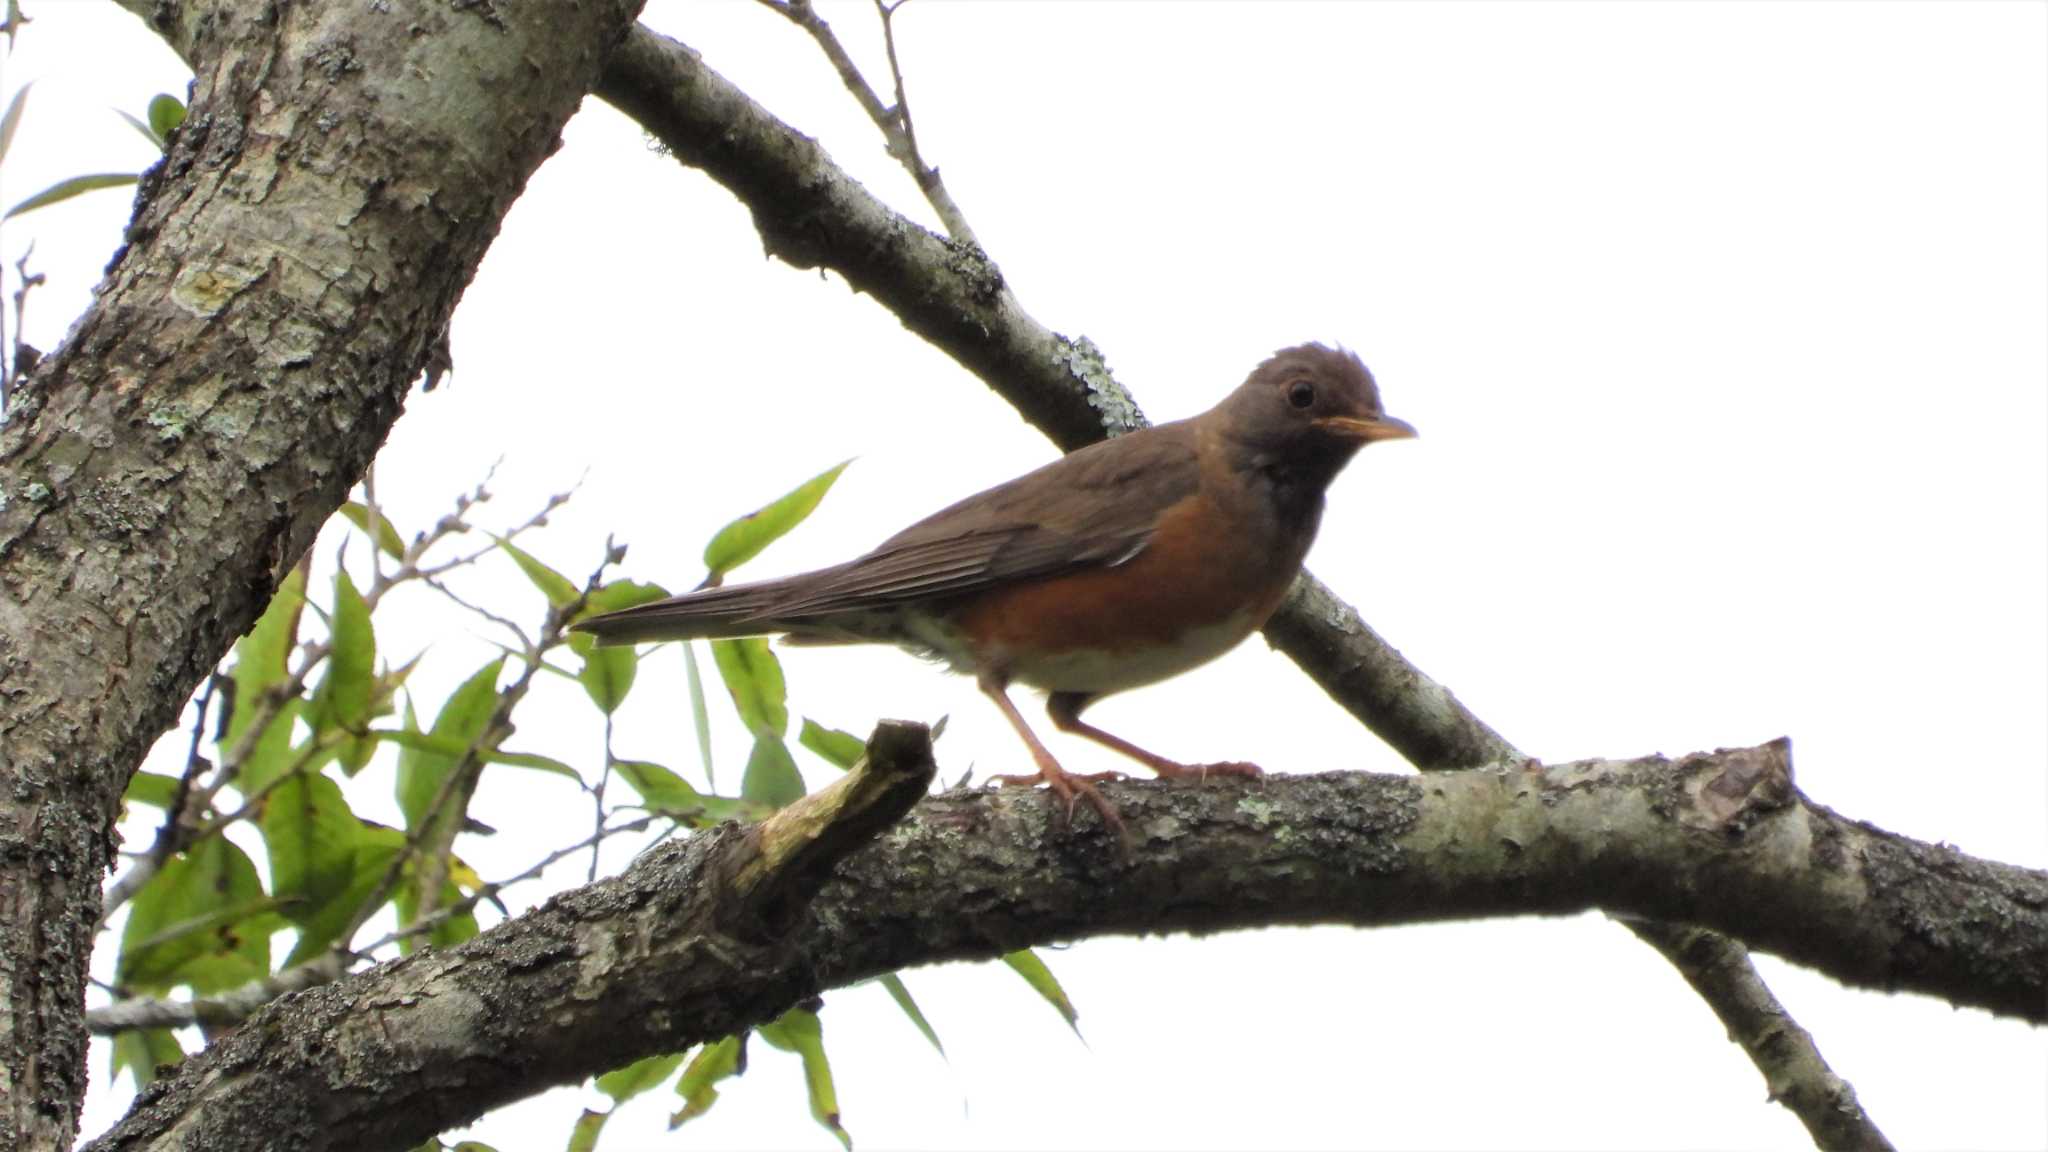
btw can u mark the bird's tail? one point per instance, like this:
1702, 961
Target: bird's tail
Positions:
712, 613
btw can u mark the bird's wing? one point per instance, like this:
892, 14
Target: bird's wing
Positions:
1092, 507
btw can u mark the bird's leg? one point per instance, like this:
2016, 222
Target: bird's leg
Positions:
1065, 710
1066, 785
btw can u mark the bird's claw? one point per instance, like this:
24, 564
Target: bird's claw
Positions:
1072, 787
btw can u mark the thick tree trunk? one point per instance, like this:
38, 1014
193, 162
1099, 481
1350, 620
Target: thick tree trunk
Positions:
292, 262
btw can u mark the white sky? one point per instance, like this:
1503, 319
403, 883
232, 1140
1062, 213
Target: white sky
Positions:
1726, 329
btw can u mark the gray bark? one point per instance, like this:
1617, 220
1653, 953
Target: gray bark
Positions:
289, 266
658, 958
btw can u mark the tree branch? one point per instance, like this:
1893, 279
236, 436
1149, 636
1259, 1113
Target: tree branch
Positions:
679, 950
1720, 970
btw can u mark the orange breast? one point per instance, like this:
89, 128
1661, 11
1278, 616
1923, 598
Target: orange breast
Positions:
1201, 584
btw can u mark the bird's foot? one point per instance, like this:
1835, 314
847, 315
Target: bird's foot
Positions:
1172, 770
1072, 787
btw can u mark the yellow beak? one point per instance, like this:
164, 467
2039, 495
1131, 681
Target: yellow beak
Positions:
1365, 430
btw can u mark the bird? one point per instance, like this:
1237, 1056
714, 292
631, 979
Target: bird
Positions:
1118, 565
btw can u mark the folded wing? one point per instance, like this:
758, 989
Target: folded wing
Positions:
1040, 524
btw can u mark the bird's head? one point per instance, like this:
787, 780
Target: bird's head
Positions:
1306, 411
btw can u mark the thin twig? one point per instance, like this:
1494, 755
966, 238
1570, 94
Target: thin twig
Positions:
14, 354
230, 1007
927, 177
461, 781
374, 521
169, 835
491, 891
898, 137
512, 626
604, 778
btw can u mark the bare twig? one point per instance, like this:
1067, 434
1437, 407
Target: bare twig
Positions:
20, 359
491, 891
525, 642
374, 518
170, 838
431, 842
899, 135
927, 176
604, 779
230, 1007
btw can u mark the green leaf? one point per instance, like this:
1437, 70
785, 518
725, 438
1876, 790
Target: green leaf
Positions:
187, 924
11, 119
607, 673
143, 128
320, 927
64, 190
166, 112
459, 726
622, 1084
840, 749
343, 699
901, 995
583, 1137
744, 538
700, 714
311, 836
658, 787
532, 760
771, 778
753, 676
141, 1051
272, 753
454, 749
698, 1083
618, 596
661, 790
388, 540
803, 1033
260, 665
152, 788
1027, 964
559, 589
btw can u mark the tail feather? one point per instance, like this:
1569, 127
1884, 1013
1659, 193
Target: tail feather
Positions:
758, 609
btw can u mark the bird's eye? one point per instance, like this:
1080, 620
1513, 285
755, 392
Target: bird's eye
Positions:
1301, 394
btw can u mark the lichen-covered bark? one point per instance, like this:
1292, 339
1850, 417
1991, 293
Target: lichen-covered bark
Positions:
652, 960
290, 264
